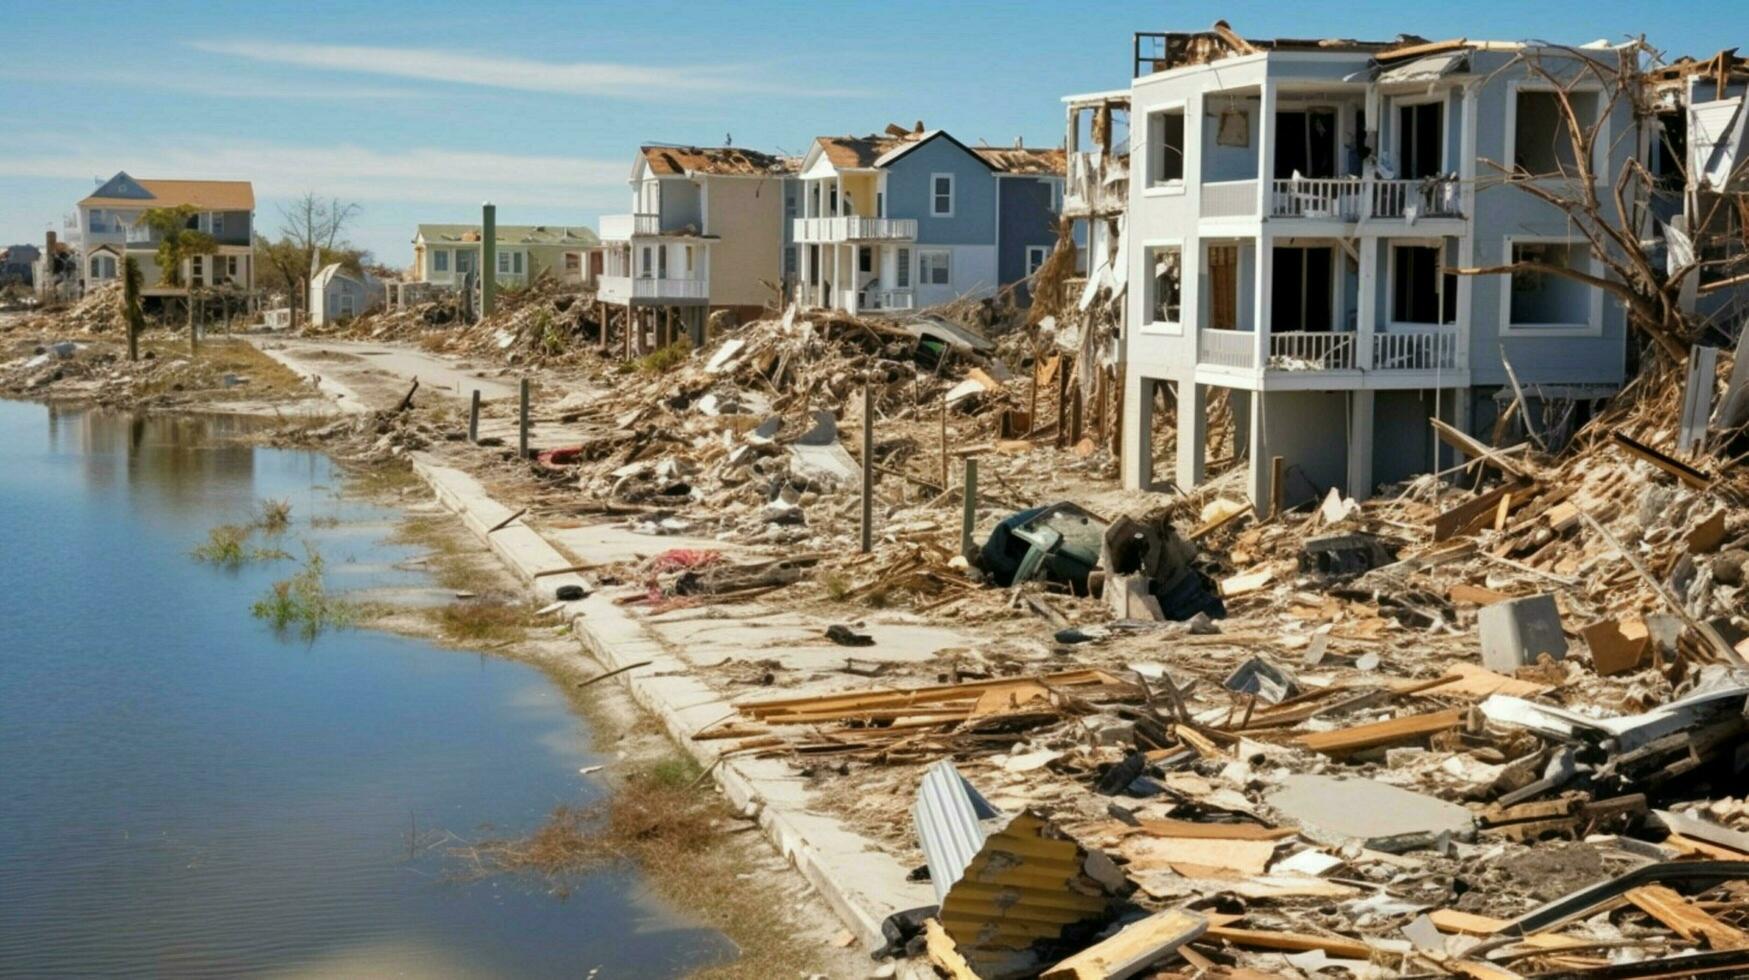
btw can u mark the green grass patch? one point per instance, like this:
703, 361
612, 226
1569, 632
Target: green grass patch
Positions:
275, 515
228, 547
301, 604
664, 359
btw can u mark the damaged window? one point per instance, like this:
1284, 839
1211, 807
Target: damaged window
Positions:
440, 260
902, 274
1543, 298
1166, 145
1421, 140
1165, 283
1420, 291
1542, 142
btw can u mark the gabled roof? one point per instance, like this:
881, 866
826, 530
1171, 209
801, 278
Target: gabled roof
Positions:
731, 161
509, 235
859, 152
1025, 160
207, 195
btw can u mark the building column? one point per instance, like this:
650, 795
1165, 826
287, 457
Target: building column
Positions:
1262, 277
1366, 318
1259, 465
1192, 440
1137, 457
1360, 432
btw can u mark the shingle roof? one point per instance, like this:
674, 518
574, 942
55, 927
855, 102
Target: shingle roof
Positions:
734, 161
510, 234
208, 195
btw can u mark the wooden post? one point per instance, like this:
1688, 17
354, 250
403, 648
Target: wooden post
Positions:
474, 417
522, 422
969, 506
626, 329
1277, 484
1063, 363
1116, 441
944, 444
1032, 397
1075, 416
868, 470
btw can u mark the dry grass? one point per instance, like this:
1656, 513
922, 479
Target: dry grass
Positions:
275, 515
483, 621
227, 546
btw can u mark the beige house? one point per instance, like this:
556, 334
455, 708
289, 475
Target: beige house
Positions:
444, 254
107, 228
706, 233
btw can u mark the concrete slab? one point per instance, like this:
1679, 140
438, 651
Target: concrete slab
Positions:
607, 544
1516, 632
1337, 810
796, 641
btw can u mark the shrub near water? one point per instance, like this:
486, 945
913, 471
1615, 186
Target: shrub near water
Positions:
303, 602
228, 546
275, 515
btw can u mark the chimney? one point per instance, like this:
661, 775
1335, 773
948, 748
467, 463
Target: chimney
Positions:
1019, 143
49, 243
919, 128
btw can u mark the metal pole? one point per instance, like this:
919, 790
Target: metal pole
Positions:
488, 258
522, 423
474, 417
969, 515
868, 470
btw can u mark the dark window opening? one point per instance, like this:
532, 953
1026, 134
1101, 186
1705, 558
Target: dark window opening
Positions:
1415, 286
1302, 294
865, 259
1419, 138
1305, 142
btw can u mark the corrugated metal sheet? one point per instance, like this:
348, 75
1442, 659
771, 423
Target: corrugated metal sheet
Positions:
1002, 884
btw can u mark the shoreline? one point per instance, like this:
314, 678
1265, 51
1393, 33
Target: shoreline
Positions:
519, 553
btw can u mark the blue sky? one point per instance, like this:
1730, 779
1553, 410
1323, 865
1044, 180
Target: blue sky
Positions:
421, 111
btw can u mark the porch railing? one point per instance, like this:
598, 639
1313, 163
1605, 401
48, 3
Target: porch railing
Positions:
1311, 350
618, 227
853, 227
1416, 349
1228, 348
888, 299
1430, 198
1333, 199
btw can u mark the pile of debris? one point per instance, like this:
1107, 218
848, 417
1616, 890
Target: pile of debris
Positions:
98, 311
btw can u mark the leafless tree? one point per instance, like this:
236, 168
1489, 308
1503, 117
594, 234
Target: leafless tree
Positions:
310, 229
1620, 222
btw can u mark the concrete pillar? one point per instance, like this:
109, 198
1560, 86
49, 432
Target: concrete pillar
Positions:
1192, 424
1259, 473
1137, 458
1260, 301
1367, 316
1360, 433
488, 258
1265, 147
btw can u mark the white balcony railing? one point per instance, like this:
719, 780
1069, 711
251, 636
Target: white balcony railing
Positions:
1311, 350
888, 299
854, 228
1430, 198
1334, 199
1416, 349
619, 227
1228, 348
621, 289
1229, 199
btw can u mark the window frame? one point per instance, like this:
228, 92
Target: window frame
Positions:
1165, 328
1167, 186
935, 195
1044, 255
1390, 319
1599, 166
1594, 309
902, 277
440, 261
926, 256
1401, 102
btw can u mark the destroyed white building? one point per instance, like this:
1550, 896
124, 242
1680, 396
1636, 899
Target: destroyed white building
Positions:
1294, 209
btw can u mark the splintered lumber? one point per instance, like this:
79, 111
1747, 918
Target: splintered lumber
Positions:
1169, 827
1470, 924
949, 700
1295, 942
1684, 918
1389, 732
1134, 947
1475, 595
1452, 522
1475, 449
1675, 467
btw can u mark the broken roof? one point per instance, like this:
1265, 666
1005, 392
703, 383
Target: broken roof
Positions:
872, 151
1025, 159
732, 161
209, 195
508, 234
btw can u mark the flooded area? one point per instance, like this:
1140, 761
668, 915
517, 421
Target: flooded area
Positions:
189, 794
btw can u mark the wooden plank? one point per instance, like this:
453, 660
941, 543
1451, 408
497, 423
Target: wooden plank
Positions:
1169, 827
1386, 732
1132, 948
945, 954
1448, 523
1476, 449
1475, 595
1477, 682
1684, 918
1297, 942
1675, 467
1470, 924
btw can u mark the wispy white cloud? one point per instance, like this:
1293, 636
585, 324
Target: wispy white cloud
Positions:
415, 174
231, 87
520, 74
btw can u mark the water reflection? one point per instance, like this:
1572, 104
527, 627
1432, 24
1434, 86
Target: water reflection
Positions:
184, 794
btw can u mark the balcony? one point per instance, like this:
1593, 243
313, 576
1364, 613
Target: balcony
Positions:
1342, 199
619, 227
640, 289
853, 228
888, 299
1433, 348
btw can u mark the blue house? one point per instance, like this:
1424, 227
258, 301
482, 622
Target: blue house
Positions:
916, 218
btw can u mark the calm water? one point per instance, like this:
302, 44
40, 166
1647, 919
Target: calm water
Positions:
184, 794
